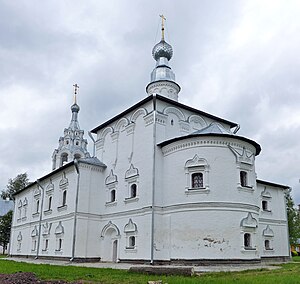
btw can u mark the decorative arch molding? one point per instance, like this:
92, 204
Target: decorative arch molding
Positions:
268, 232
37, 191
131, 172
249, 221
111, 178
196, 162
106, 131
265, 193
19, 238
64, 181
110, 225
25, 202
50, 186
130, 227
197, 119
242, 156
121, 124
20, 204
137, 113
59, 229
34, 232
175, 111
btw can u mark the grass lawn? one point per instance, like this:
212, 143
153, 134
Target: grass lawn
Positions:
288, 273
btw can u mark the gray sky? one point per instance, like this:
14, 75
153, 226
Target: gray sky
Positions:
235, 59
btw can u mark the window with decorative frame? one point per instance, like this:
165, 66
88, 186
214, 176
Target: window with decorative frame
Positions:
59, 234
63, 188
248, 231
130, 230
132, 181
266, 199
36, 197
111, 182
197, 175
268, 236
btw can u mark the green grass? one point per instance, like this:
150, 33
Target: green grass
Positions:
3, 255
288, 273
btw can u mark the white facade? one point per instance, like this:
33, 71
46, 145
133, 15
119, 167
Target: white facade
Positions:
169, 183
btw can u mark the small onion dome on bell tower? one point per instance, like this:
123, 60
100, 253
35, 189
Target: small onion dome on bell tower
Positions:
162, 76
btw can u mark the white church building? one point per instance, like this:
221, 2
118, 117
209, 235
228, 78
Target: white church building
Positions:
167, 183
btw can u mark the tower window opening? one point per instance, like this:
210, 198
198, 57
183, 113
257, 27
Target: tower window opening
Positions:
64, 158
172, 122
77, 156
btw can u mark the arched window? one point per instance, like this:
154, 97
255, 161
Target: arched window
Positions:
49, 202
113, 195
64, 158
243, 178
264, 205
247, 240
77, 156
133, 190
197, 180
131, 243
64, 198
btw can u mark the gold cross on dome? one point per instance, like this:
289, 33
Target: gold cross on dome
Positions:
162, 26
76, 87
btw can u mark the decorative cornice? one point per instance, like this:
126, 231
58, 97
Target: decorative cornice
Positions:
192, 142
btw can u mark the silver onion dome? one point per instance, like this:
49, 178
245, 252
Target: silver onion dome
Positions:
162, 49
75, 108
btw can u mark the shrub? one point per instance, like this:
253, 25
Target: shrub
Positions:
294, 253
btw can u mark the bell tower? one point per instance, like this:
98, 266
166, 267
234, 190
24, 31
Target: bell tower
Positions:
162, 76
72, 145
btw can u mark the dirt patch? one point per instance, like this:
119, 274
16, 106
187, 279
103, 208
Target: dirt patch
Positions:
28, 278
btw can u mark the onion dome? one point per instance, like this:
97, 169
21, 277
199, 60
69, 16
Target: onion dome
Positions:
75, 108
162, 49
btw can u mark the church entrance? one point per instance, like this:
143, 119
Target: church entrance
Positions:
115, 251
110, 244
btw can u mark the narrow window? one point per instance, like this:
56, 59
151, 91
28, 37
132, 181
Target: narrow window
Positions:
243, 178
49, 203
264, 205
59, 244
133, 190
76, 156
131, 242
64, 198
37, 206
247, 240
197, 180
46, 244
267, 245
113, 195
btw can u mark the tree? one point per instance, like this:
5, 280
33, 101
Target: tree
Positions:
5, 226
15, 185
293, 220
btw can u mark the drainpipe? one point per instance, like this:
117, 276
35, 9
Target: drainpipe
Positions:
288, 236
153, 181
40, 220
94, 141
10, 236
75, 211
